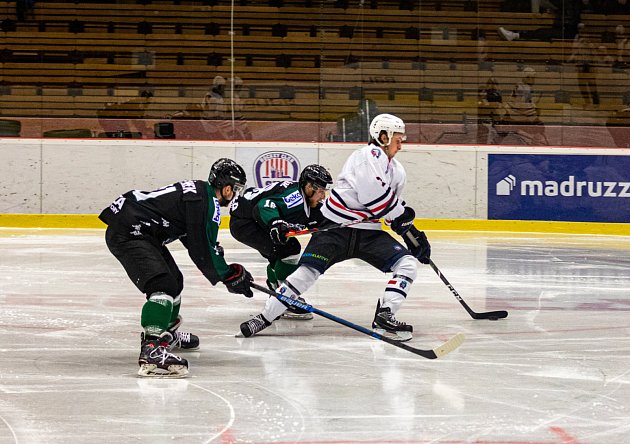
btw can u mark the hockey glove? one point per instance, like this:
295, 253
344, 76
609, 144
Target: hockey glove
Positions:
239, 281
278, 232
402, 223
418, 244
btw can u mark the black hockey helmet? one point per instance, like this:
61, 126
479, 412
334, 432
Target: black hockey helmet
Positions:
317, 175
227, 172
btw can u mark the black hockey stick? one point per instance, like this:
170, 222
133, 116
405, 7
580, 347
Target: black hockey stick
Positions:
330, 227
492, 315
437, 352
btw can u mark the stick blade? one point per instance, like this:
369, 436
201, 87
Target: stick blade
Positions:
500, 314
449, 345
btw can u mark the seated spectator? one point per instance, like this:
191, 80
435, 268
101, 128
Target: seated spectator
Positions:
490, 94
520, 106
521, 109
623, 45
213, 102
583, 55
489, 110
567, 17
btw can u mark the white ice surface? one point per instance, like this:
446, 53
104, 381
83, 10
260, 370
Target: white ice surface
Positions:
557, 370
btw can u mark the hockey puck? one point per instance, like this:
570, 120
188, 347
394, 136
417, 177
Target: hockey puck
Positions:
493, 318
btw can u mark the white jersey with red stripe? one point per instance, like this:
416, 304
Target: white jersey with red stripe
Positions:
368, 187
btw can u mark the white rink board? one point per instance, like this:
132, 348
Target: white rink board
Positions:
78, 176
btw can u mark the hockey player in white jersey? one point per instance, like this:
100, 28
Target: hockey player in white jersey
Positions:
369, 188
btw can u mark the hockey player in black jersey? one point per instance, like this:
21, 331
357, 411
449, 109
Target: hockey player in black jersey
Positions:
368, 188
262, 217
141, 224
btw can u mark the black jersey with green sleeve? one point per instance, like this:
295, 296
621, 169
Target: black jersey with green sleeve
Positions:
187, 211
278, 200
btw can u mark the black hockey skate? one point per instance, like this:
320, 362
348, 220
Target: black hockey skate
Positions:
385, 324
181, 339
255, 325
156, 361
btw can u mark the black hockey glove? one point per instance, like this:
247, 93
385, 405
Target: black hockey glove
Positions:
418, 244
278, 232
402, 223
239, 281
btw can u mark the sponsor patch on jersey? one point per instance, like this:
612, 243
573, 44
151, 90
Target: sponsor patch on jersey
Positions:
275, 166
293, 199
376, 152
217, 211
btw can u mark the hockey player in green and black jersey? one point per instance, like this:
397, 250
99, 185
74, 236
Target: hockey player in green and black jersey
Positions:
141, 224
262, 217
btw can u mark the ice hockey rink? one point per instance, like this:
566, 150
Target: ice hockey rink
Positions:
557, 370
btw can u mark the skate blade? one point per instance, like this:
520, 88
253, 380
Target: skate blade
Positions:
182, 349
402, 336
152, 371
297, 316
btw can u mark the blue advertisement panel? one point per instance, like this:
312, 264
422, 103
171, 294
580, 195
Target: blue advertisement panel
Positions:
559, 187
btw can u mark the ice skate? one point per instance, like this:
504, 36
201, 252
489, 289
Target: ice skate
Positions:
181, 339
156, 361
292, 313
385, 324
255, 325
184, 340
295, 314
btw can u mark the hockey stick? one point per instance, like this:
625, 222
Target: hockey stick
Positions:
437, 352
330, 227
492, 315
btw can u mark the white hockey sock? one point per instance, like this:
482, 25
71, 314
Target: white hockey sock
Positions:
301, 280
396, 292
405, 271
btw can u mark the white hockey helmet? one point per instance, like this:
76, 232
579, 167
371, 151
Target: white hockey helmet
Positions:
388, 123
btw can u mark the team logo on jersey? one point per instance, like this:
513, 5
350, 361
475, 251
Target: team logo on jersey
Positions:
293, 199
275, 166
376, 152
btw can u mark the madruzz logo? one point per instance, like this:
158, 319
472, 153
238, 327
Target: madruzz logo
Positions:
558, 187
506, 185
275, 166
566, 188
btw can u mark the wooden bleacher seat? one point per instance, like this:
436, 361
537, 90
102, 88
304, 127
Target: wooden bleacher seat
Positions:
48, 69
